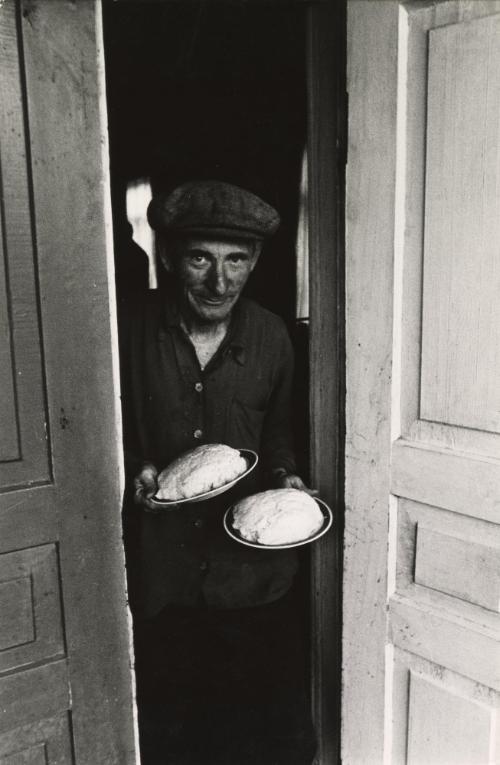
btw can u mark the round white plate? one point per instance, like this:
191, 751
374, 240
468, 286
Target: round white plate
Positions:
327, 522
251, 458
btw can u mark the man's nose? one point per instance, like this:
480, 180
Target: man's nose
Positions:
218, 280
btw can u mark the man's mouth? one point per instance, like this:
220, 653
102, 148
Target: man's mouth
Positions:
213, 301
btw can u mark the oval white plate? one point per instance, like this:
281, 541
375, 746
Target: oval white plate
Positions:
327, 522
251, 458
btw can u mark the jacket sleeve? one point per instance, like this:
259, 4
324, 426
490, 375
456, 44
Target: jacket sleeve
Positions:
134, 456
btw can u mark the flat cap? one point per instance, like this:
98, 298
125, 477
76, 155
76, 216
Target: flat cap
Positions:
213, 207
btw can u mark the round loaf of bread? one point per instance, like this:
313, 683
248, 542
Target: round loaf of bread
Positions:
200, 470
277, 517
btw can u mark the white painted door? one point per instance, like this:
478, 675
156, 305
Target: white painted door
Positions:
422, 542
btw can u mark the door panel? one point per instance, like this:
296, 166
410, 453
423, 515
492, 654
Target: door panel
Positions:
24, 450
65, 680
30, 596
47, 741
463, 714
460, 374
422, 624
461, 729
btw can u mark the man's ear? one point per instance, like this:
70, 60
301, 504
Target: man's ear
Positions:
257, 249
165, 255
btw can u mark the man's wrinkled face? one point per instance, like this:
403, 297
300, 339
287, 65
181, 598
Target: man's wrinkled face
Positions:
212, 274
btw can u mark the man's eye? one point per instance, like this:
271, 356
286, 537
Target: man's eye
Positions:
198, 259
236, 259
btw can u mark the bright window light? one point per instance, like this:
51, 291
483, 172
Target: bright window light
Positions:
138, 197
302, 248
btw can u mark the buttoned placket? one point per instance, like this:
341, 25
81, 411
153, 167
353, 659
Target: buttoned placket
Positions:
224, 369
192, 375
200, 527
196, 380
226, 352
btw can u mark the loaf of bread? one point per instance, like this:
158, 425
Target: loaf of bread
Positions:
200, 470
277, 517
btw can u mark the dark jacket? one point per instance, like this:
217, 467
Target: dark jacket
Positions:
241, 398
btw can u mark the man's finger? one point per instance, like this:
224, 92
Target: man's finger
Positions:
143, 496
145, 489
312, 492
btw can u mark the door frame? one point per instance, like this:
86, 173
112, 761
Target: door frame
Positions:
327, 153
325, 28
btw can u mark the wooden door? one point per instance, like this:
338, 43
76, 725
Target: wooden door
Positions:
65, 679
422, 543
326, 180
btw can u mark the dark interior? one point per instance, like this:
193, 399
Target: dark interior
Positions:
214, 90
210, 90
204, 90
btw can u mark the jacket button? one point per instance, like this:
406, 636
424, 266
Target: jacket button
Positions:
198, 434
198, 387
203, 566
198, 523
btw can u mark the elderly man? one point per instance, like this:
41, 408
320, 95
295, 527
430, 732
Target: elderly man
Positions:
218, 657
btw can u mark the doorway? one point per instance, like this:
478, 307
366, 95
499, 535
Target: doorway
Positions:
227, 91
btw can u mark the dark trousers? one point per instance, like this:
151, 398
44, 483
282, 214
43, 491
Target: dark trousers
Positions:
224, 687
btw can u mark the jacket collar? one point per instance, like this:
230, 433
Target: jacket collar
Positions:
236, 338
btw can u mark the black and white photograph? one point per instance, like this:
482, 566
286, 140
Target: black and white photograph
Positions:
250, 382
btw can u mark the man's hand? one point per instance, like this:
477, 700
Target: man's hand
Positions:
146, 486
283, 480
